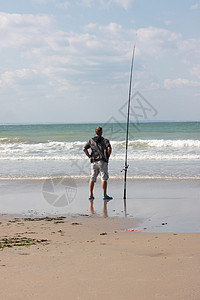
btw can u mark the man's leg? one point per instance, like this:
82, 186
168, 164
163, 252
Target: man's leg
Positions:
94, 174
93, 177
104, 178
104, 188
91, 187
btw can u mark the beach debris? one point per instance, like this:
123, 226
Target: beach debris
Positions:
164, 224
60, 218
84, 215
75, 223
103, 233
61, 232
58, 222
14, 220
20, 220
130, 230
20, 241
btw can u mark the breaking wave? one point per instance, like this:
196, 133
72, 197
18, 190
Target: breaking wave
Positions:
138, 150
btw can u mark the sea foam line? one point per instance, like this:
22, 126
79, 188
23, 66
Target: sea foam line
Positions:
131, 157
86, 177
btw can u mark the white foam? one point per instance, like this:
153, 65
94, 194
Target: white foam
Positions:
86, 177
161, 143
131, 157
138, 150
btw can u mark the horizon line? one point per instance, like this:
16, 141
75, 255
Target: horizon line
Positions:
99, 122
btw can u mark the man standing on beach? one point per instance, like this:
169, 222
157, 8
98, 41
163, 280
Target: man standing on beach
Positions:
99, 157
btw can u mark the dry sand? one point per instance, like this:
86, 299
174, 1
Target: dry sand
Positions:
85, 259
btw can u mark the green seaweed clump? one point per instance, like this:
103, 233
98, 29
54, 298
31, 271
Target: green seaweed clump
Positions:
20, 241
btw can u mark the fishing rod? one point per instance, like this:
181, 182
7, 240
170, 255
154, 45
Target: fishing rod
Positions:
127, 127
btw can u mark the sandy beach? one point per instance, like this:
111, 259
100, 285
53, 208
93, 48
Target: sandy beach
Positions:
96, 258
153, 253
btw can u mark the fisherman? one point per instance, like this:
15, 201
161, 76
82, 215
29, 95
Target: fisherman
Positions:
99, 157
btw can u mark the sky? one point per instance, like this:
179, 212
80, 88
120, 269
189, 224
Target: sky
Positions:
69, 61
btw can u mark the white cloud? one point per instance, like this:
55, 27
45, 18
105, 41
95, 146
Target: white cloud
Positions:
167, 22
163, 45
195, 6
188, 52
90, 27
196, 71
21, 81
189, 45
154, 86
111, 29
156, 41
18, 30
64, 60
60, 4
126, 4
180, 83
41, 1
87, 3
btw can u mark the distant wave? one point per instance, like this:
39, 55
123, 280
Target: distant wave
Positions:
143, 144
152, 143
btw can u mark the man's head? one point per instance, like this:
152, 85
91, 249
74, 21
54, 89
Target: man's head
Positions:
98, 131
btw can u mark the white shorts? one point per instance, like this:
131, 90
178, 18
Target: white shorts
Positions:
99, 167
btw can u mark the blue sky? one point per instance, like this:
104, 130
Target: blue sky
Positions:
69, 61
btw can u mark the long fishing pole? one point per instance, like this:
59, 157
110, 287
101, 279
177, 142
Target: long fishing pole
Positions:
127, 127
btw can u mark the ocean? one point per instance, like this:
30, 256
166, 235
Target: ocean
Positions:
157, 150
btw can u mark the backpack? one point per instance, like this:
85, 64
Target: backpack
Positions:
99, 144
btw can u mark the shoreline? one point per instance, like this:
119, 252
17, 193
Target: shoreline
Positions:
80, 179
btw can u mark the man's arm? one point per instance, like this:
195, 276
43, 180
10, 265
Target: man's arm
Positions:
86, 152
109, 151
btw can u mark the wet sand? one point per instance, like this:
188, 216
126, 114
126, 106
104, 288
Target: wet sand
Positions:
94, 258
174, 203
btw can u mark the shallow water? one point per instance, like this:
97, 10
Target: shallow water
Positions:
158, 205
